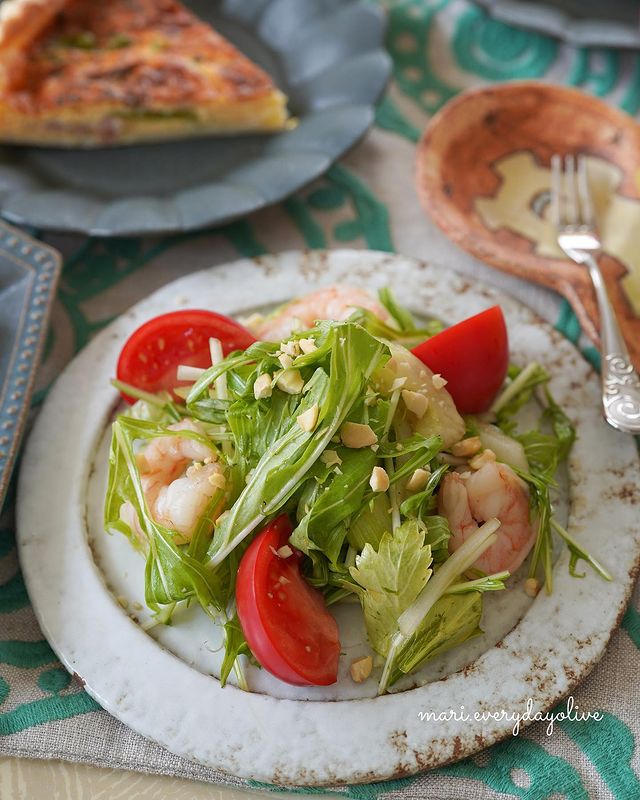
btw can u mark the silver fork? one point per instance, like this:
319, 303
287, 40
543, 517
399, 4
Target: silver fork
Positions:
573, 215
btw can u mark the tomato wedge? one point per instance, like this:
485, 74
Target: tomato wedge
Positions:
284, 620
152, 353
473, 356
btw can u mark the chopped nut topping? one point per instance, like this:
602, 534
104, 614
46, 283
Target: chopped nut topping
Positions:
291, 348
356, 435
360, 668
309, 418
485, 457
438, 381
418, 480
253, 321
532, 587
415, 402
467, 447
217, 480
307, 345
290, 381
379, 480
284, 552
262, 386
285, 360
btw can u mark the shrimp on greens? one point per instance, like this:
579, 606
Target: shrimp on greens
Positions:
326, 462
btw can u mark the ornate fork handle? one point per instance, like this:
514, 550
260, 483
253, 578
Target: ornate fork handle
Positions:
621, 393
620, 381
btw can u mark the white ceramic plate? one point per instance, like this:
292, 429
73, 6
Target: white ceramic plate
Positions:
162, 683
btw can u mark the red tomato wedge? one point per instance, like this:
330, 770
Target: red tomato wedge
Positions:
284, 620
152, 353
472, 356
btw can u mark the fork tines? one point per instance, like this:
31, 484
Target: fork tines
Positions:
571, 204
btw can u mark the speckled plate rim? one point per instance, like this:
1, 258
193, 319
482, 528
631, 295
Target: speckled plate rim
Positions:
292, 742
41, 264
291, 159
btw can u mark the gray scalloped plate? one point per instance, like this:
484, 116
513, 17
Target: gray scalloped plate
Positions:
327, 55
28, 275
584, 23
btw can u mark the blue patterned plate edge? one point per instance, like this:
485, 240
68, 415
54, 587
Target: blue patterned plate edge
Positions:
38, 266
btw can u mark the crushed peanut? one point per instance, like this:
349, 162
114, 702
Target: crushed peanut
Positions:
262, 386
309, 418
307, 345
438, 381
415, 402
379, 480
485, 457
360, 668
290, 381
284, 552
253, 321
217, 480
418, 480
285, 360
291, 348
467, 447
355, 435
532, 586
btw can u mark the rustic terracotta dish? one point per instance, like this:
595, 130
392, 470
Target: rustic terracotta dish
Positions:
483, 175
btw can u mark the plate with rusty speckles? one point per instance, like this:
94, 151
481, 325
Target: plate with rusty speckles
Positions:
531, 649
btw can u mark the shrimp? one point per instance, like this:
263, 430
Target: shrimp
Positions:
493, 491
333, 302
179, 477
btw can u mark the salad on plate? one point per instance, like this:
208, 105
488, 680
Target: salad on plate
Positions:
334, 451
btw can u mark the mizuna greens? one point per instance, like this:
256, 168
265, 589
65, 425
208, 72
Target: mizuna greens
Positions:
346, 432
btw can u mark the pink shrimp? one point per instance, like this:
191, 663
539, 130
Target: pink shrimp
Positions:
179, 477
332, 302
494, 490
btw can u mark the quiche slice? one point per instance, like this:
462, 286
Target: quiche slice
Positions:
92, 73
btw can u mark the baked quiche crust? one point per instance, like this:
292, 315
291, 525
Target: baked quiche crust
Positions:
86, 73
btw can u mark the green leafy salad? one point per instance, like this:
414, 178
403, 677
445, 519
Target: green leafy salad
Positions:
343, 446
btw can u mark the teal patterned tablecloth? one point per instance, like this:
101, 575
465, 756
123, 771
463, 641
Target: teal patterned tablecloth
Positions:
439, 47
